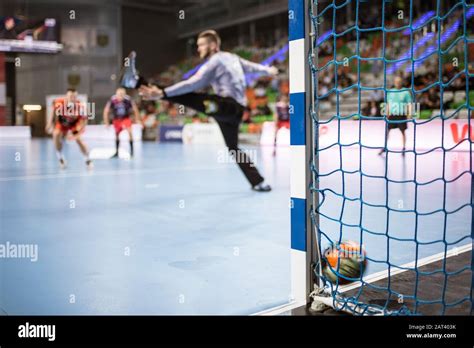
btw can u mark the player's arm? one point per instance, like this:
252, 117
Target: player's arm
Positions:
388, 105
385, 108
251, 67
78, 128
51, 120
81, 123
83, 118
276, 113
409, 100
136, 113
106, 113
198, 81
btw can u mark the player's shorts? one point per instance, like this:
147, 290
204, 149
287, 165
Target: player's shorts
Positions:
66, 128
283, 124
122, 123
400, 125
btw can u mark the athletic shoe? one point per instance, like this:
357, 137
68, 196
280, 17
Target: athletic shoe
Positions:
89, 164
130, 77
62, 163
262, 188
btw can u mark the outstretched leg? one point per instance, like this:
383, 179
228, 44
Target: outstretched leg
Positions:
228, 114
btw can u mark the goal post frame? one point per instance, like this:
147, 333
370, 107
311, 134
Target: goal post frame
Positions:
303, 246
304, 167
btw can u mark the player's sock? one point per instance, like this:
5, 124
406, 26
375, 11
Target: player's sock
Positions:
62, 161
117, 144
59, 155
131, 148
89, 163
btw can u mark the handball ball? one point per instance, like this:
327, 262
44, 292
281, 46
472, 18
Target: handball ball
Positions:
344, 262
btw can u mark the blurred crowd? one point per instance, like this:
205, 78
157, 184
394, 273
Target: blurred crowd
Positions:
424, 82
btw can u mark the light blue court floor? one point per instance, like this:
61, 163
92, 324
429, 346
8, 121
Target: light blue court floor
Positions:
177, 230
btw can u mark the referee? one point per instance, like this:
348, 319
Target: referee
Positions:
398, 108
225, 72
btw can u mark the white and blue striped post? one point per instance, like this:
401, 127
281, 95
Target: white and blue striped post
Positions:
300, 130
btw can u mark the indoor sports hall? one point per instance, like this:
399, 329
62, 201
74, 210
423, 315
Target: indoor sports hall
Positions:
357, 114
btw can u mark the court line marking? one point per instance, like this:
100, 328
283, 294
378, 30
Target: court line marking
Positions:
109, 173
422, 262
280, 309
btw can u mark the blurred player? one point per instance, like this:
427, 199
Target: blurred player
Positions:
398, 108
282, 117
225, 72
122, 107
69, 119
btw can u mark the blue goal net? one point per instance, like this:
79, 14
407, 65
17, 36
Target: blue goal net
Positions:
391, 106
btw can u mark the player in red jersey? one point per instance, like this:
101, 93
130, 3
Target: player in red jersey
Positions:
68, 119
122, 107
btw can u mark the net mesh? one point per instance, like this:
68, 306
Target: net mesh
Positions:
409, 206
